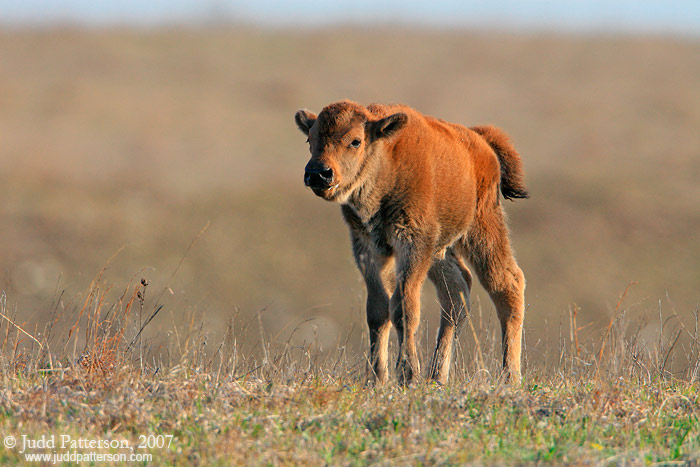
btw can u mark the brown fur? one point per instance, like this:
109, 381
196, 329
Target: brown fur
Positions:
421, 196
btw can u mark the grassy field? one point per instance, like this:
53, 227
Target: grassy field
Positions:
280, 404
171, 155
328, 421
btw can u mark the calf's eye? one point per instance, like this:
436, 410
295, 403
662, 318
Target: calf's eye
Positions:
355, 143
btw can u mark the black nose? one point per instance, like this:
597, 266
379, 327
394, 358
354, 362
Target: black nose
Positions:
318, 175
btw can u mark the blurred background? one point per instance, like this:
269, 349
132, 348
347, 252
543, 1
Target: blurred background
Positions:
127, 127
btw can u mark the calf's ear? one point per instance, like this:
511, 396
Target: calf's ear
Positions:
305, 120
387, 126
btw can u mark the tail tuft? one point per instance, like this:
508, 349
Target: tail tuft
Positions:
512, 174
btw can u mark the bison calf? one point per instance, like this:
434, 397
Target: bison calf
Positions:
420, 196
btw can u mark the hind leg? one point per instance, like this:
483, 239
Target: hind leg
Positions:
452, 281
488, 249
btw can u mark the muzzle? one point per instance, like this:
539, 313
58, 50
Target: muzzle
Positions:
318, 175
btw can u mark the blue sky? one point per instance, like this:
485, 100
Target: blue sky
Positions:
676, 17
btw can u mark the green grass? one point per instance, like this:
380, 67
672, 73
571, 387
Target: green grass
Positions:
337, 421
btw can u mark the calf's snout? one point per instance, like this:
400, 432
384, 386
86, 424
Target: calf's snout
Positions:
318, 175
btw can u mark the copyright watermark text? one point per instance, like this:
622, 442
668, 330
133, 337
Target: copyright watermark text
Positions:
67, 448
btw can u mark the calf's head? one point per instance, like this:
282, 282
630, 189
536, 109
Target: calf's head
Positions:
342, 138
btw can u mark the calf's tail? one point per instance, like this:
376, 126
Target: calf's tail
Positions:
512, 175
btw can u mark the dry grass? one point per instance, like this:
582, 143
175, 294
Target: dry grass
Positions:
278, 403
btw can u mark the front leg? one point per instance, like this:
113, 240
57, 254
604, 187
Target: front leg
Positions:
378, 316
411, 270
377, 271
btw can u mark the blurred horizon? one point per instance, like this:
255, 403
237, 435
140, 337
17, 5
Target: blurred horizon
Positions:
680, 17
120, 143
